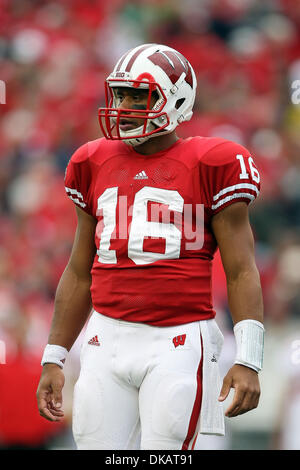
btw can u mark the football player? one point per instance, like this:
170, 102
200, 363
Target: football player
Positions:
152, 210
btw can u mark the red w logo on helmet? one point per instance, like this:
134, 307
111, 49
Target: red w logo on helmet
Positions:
179, 340
173, 64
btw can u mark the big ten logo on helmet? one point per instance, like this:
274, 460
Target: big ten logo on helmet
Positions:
296, 93
2, 352
295, 354
151, 218
2, 92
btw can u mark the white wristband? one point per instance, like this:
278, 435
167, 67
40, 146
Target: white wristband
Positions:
54, 354
249, 336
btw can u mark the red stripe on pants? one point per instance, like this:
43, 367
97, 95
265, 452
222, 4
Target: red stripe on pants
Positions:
197, 404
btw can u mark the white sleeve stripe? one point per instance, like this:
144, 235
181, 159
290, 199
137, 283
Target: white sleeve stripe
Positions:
233, 196
234, 187
80, 203
74, 191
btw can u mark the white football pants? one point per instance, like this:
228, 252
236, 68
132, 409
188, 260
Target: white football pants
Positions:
140, 386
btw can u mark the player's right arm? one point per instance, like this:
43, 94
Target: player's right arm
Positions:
71, 309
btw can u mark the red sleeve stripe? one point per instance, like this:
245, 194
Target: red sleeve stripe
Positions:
235, 187
233, 196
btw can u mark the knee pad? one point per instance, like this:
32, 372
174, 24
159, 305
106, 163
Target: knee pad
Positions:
172, 406
87, 406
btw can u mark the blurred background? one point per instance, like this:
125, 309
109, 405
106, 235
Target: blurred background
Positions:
54, 57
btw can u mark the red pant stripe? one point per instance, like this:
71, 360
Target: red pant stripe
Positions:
197, 405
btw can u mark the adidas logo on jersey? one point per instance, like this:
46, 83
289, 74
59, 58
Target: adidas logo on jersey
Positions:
141, 176
94, 341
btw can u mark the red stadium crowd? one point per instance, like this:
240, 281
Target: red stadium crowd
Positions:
54, 57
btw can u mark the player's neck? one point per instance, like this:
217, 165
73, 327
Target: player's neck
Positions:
157, 144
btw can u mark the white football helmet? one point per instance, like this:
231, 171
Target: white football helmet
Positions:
157, 68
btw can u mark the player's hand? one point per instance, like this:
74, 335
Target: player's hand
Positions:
247, 390
49, 392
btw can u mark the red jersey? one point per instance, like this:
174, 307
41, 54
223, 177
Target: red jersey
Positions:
154, 240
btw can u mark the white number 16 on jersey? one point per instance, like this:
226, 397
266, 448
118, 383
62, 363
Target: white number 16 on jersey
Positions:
140, 226
244, 175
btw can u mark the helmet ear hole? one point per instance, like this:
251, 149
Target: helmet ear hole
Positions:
179, 103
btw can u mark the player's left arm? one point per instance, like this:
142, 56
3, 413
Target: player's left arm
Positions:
234, 236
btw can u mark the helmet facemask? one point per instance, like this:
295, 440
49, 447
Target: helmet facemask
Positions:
155, 119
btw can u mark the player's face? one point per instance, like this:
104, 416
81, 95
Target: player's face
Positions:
133, 99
